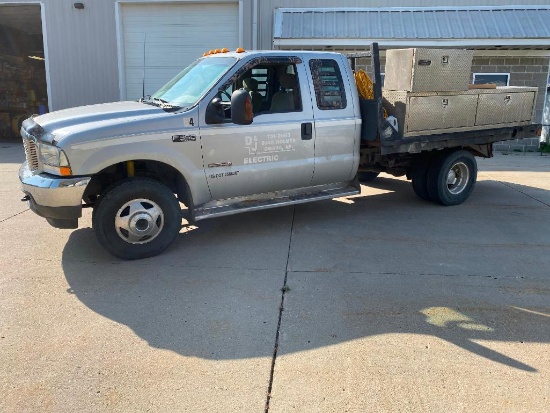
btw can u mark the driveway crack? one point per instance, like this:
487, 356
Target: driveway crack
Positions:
516, 189
14, 215
284, 290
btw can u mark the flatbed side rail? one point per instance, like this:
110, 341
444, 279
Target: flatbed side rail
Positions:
418, 144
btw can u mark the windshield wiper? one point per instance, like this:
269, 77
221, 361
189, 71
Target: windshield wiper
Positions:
158, 102
164, 104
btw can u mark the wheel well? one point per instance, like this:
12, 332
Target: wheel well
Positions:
159, 171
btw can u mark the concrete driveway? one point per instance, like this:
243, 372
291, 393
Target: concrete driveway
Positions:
374, 303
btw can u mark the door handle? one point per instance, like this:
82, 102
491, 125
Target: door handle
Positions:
307, 131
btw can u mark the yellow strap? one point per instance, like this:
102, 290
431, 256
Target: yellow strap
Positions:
365, 87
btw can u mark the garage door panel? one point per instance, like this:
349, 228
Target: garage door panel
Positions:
177, 34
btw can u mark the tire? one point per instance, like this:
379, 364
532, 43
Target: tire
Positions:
367, 176
419, 176
137, 218
452, 177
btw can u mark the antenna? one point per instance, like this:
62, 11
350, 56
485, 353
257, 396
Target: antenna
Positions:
143, 74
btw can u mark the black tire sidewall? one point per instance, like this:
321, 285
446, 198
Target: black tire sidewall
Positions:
367, 176
419, 177
125, 191
437, 177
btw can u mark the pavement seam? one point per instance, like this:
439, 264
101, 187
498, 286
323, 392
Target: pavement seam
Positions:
521, 192
122, 262
515, 189
281, 309
427, 274
19, 213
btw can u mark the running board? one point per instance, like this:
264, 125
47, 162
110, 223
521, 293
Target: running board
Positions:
274, 199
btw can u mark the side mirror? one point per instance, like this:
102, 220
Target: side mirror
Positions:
241, 107
214, 112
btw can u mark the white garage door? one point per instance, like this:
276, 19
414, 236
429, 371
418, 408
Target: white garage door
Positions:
167, 37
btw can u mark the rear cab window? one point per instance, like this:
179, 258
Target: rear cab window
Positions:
327, 81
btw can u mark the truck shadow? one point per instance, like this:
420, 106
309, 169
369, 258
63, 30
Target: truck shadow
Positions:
216, 293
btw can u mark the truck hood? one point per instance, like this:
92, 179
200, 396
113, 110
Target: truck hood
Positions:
96, 119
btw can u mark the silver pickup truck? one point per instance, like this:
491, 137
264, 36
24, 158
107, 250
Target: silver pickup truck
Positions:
233, 132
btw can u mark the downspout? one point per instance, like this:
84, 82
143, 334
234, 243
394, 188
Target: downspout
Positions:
545, 136
255, 25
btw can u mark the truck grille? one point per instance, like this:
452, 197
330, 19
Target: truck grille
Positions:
31, 153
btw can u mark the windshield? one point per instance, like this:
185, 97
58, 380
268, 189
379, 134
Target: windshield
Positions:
193, 82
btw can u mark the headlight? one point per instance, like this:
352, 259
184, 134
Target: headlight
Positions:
54, 160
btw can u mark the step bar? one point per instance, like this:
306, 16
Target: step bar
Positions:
274, 199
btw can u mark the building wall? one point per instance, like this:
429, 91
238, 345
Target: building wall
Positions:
267, 7
80, 51
82, 44
81, 48
524, 70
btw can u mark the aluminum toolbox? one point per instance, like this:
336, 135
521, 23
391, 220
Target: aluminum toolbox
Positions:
428, 70
505, 107
429, 113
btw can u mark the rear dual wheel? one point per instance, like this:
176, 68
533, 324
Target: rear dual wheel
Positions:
447, 179
419, 176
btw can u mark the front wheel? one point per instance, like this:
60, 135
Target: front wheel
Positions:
452, 177
137, 218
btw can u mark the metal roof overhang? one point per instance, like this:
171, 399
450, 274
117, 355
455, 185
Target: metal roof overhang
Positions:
509, 27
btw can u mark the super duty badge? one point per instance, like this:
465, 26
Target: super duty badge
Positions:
183, 138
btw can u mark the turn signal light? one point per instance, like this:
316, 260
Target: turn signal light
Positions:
65, 171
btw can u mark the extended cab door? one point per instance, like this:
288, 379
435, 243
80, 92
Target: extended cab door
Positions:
276, 151
337, 125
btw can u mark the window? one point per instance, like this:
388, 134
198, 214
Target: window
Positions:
273, 87
188, 86
261, 75
328, 84
499, 79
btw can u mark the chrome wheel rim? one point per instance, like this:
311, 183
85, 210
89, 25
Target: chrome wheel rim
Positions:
139, 221
457, 178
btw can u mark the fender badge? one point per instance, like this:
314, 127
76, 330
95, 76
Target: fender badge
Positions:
183, 138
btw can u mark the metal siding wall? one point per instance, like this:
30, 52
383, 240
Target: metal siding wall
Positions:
82, 50
177, 34
267, 7
82, 53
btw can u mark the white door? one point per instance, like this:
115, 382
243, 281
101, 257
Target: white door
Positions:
168, 37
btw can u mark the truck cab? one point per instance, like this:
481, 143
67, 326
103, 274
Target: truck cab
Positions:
304, 131
233, 132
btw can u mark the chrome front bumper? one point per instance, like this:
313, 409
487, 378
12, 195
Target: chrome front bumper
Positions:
57, 199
